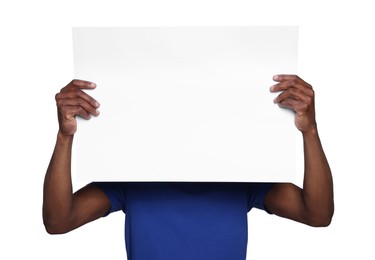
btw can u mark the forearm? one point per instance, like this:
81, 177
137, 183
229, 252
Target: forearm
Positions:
57, 197
318, 184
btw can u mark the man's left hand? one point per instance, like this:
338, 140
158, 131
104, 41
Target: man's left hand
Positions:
298, 95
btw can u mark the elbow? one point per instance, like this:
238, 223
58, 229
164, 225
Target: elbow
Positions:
54, 229
51, 230
321, 220
55, 226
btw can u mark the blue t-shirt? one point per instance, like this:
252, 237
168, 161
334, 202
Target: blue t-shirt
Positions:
178, 221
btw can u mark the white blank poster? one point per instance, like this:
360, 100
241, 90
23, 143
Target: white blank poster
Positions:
185, 104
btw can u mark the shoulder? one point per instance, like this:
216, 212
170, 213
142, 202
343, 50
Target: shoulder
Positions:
256, 194
115, 192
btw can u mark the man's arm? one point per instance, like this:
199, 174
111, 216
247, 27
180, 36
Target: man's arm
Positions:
63, 210
312, 205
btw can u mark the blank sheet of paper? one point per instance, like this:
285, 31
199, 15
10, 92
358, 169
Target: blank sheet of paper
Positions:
185, 104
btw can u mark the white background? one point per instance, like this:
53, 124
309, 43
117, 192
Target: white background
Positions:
336, 56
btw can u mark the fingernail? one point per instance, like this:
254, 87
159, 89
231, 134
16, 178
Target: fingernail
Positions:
272, 88
275, 77
97, 104
93, 84
274, 100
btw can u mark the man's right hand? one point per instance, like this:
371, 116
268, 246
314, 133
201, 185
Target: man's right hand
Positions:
72, 101
64, 210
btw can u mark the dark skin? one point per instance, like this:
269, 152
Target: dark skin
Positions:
312, 204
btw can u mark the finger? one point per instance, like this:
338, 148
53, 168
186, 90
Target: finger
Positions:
77, 93
78, 102
289, 103
291, 77
78, 84
82, 84
291, 93
293, 83
285, 77
298, 107
70, 112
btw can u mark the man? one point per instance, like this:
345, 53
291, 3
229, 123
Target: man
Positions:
186, 220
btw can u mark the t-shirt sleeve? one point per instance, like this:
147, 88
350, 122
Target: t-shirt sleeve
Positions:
115, 192
257, 192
